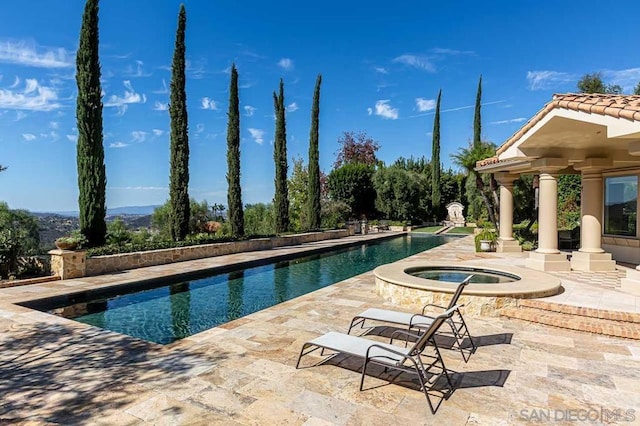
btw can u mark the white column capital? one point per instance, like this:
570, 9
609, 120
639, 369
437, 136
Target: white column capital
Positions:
593, 165
506, 178
549, 165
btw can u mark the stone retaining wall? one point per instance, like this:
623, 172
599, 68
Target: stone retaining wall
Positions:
119, 262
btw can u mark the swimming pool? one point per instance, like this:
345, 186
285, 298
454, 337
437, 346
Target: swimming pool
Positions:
169, 312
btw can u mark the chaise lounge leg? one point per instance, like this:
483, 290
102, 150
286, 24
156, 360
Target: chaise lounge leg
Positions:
364, 371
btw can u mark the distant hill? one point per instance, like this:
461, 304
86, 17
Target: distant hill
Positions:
126, 210
132, 210
54, 225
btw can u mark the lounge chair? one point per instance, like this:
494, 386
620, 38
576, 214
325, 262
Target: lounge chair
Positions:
422, 321
404, 358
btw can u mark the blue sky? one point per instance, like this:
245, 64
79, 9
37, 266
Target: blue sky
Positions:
382, 65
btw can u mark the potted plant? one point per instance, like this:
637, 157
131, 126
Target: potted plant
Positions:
70, 242
486, 239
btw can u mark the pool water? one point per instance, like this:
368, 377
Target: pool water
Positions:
181, 309
454, 275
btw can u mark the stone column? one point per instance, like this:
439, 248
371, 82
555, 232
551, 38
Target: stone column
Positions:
506, 242
548, 214
547, 257
68, 264
591, 256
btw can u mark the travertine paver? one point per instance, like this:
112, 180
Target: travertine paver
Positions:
58, 371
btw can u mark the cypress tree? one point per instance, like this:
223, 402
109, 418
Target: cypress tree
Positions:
435, 160
179, 178
477, 125
92, 181
313, 195
234, 192
281, 197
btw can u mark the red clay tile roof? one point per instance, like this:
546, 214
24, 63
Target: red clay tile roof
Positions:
617, 106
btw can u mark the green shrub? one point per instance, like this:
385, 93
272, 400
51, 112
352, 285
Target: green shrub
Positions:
156, 244
75, 239
333, 213
117, 232
200, 213
487, 234
19, 237
259, 219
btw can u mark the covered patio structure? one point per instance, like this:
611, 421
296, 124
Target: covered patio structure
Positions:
597, 136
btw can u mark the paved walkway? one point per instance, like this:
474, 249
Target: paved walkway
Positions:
57, 371
600, 290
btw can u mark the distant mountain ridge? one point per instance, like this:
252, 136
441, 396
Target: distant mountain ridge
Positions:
126, 210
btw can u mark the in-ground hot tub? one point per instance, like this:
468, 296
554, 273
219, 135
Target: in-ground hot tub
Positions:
457, 274
414, 283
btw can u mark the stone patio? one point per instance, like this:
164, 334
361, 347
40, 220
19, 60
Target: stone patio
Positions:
59, 371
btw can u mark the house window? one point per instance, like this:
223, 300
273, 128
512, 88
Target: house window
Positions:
621, 205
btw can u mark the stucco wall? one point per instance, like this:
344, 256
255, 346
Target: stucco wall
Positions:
119, 262
622, 249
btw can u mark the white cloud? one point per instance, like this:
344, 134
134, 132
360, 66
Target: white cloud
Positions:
257, 135
381, 70
249, 110
425, 104
159, 106
53, 135
385, 110
292, 107
54, 124
208, 103
158, 132
420, 62
286, 64
20, 115
31, 55
369, 111
34, 97
164, 90
138, 136
122, 102
118, 145
28, 137
196, 70
16, 83
72, 138
458, 108
512, 120
540, 80
627, 78
452, 52
199, 128
137, 71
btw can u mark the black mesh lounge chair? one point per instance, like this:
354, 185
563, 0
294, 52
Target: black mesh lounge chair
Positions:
423, 320
406, 358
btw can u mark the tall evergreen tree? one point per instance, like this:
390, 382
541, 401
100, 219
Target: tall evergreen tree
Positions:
435, 160
179, 178
281, 197
92, 180
477, 122
313, 193
234, 192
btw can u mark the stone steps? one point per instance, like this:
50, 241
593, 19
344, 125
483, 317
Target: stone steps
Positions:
581, 311
591, 320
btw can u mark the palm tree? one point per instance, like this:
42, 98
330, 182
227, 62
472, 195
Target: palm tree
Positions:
467, 157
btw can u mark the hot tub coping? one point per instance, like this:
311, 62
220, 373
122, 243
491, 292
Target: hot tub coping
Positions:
532, 283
